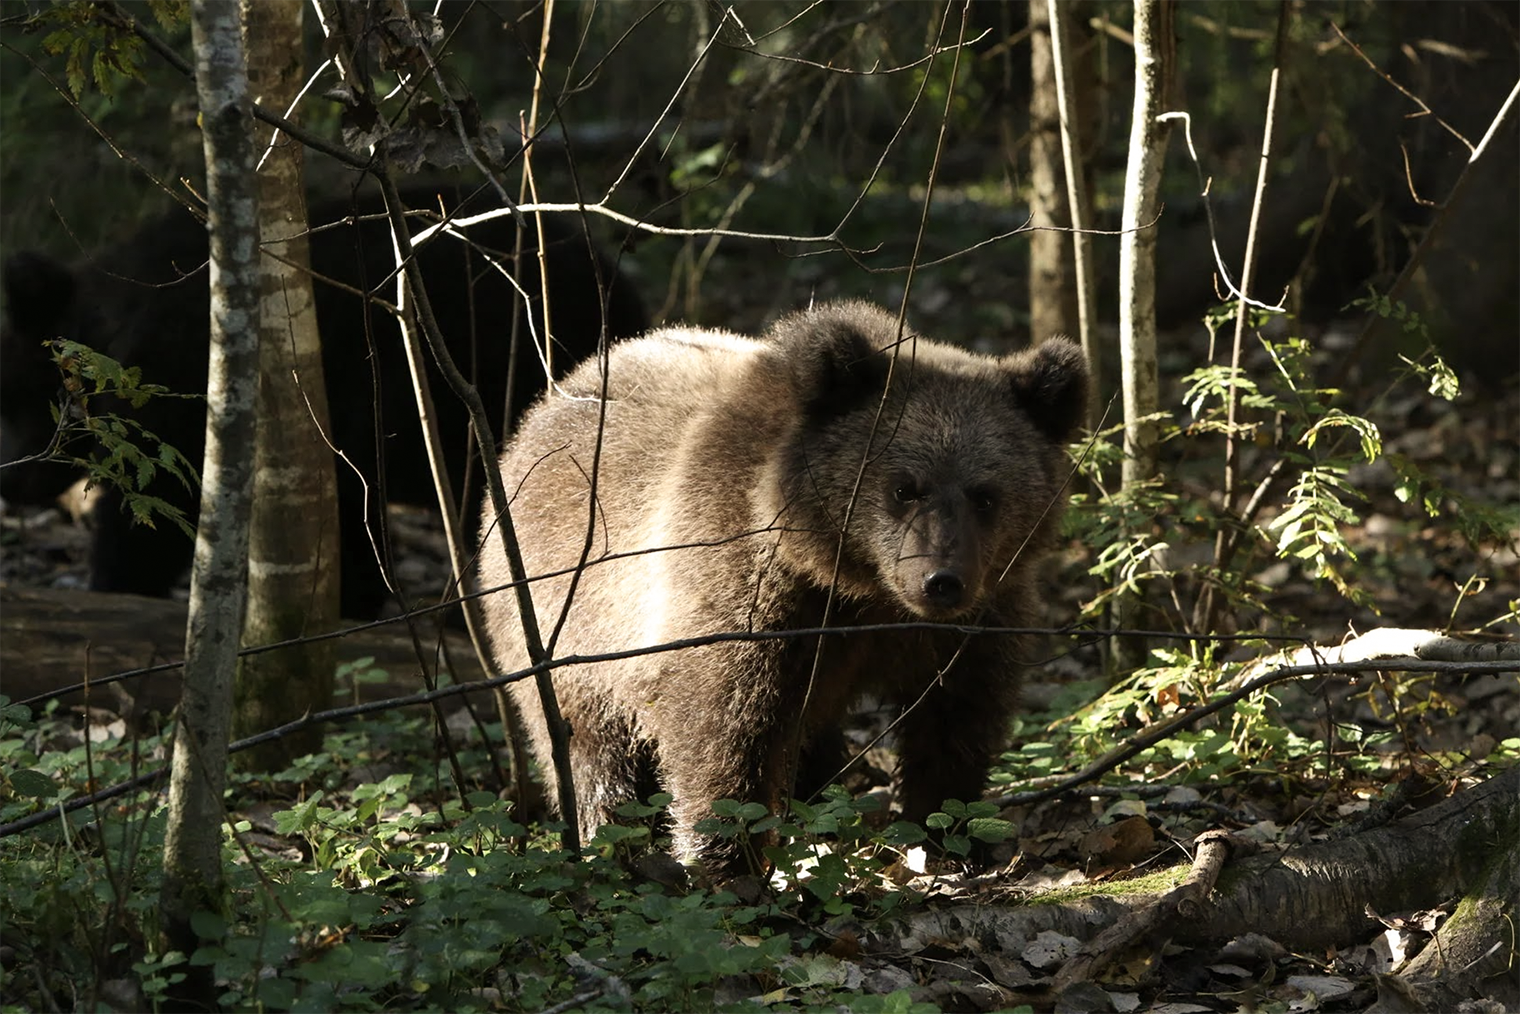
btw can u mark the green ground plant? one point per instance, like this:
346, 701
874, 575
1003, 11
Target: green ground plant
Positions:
1304, 453
397, 892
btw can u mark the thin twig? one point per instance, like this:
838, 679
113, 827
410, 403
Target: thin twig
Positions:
1205, 614
1108, 762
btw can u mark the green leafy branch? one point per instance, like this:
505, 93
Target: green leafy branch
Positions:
98, 47
124, 454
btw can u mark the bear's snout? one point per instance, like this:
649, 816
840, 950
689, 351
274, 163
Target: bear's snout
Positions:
935, 562
937, 586
944, 589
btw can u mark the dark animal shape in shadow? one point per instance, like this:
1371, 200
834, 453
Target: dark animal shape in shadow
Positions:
146, 303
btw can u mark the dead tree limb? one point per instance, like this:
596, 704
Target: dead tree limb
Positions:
1185, 901
1307, 898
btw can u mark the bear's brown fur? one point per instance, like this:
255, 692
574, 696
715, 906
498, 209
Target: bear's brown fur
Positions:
728, 468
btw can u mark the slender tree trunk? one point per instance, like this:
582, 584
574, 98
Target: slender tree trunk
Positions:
1052, 281
1205, 610
293, 553
410, 288
1155, 54
192, 843
1064, 58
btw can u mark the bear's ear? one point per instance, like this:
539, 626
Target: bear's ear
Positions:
1050, 384
836, 353
39, 293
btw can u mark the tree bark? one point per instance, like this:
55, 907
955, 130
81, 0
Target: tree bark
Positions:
1052, 285
1318, 895
1155, 54
193, 837
293, 572
1064, 56
1475, 952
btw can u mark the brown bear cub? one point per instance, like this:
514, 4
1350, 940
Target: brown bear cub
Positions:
737, 481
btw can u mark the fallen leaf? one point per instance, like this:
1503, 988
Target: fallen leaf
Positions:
1121, 844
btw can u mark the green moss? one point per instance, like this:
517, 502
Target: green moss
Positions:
1144, 884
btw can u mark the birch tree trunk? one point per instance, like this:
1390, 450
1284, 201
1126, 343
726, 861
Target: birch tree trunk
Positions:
1475, 951
198, 775
1155, 53
293, 548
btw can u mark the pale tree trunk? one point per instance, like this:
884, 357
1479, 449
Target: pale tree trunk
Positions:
293, 543
1064, 57
192, 842
1155, 52
1310, 899
1052, 282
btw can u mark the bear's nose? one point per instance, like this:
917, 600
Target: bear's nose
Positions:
945, 589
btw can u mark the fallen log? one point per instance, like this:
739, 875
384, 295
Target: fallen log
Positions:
59, 642
1308, 898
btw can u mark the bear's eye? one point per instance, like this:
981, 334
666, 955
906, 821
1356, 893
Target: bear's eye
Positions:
984, 500
908, 492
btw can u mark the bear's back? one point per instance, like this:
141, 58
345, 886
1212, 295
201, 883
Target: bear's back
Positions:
682, 366
659, 389
655, 388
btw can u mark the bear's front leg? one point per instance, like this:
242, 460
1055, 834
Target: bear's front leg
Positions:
948, 741
733, 734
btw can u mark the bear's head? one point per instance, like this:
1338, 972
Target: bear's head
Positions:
939, 466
